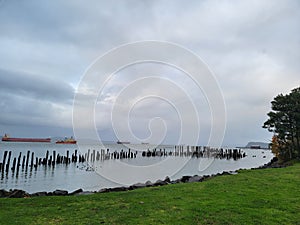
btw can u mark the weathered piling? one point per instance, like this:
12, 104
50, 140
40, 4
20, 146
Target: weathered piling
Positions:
88, 155
19, 161
23, 161
54, 155
27, 159
67, 158
4, 160
32, 158
14, 164
8, 161
46, 158
36, 162
50, 161
94, 155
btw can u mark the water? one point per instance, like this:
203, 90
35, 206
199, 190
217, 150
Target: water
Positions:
113, 172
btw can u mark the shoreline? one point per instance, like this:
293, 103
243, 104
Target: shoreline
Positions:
17, 193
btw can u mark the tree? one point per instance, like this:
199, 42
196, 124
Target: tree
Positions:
284, 122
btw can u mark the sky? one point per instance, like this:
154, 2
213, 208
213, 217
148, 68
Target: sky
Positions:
252, 49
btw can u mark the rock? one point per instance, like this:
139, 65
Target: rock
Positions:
60, 192
104, 190
86, 193
226, 173
76, 191
149, 184
18, 194
160, 183
137, 185
176, 181
116, 189
4, 193
167, 180
39, 194
184, 179
195, 178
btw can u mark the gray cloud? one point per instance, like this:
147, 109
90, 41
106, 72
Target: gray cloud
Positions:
252, 46
35, 86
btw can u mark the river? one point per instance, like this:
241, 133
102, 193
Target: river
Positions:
99, 174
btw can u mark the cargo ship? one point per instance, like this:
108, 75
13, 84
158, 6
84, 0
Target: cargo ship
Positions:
123, 142
7, 138
70, 140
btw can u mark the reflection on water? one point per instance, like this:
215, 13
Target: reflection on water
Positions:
98, 174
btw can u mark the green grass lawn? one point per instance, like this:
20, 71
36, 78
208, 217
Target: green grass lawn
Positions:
269, 196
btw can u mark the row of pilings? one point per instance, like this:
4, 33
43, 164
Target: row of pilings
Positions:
197, 151
29, 160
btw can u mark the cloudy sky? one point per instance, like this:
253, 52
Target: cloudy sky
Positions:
47, 47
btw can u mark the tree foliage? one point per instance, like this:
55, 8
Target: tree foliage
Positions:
284, 122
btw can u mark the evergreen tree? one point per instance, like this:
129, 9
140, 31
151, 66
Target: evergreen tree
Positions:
284, 122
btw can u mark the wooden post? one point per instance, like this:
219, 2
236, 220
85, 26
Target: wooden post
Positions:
14, 164
27, 158
47, 155
8, 161
4, 160
19, 161
36, 162
50, 161
32, 158
67, 160
75, 156
54, 155
88, 155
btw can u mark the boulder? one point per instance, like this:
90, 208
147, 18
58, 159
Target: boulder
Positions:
116, 189
149, 184
18, 194
185, 179
167, 180
195, 178
160, 183
76, 191
137, 185
39, 194
60, 192
4, 193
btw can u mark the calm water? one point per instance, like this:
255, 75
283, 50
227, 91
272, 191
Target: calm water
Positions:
112, 173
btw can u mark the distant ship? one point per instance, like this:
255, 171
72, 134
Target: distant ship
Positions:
123, 142
70, 140
7, 138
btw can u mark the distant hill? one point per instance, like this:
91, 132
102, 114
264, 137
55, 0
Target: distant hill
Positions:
260, 144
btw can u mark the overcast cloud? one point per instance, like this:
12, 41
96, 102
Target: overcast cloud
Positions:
253, 48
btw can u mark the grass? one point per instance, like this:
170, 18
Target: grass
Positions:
269, 196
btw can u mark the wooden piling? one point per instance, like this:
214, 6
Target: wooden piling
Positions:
19, 160
94, 155
54, 155
8, 161
32, 158
36, 162
67, 160
27, 159
88, 155
14, 164
50, 161
4, 160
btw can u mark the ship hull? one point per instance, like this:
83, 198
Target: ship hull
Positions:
66, 142
123, 142
26, 139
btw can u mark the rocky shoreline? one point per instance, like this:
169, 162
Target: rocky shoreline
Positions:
16, 193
